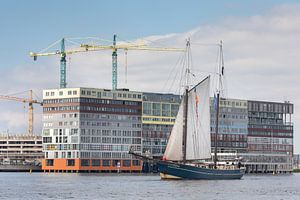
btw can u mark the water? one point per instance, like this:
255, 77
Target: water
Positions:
110, 186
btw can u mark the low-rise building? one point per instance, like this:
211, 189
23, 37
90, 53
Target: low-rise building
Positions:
20, 149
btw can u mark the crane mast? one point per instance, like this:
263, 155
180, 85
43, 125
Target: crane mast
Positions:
114, 65
63, 61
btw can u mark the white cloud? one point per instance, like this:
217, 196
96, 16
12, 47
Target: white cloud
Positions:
261, 61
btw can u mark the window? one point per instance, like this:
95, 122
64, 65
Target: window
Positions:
156, 109
106, 163
70, 162
47, 139
147, 108
126, 163
116, 163
95, 162
136, 163
85, 162
74, 92
69, 92
166, 109
61, 93
49, 162
46, 132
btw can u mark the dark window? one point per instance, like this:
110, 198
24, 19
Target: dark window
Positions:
49, 162
106, 162
136, 163
85, 162
70, 162
47, 139
126, 163
95, 162
115, 162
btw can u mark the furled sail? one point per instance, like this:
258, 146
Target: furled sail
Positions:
198, 122
174, 147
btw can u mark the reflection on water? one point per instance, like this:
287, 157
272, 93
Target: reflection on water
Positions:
112, 186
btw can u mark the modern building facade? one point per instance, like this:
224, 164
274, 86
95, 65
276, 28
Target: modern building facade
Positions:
158, 117
88, 129
233, 123
270, 137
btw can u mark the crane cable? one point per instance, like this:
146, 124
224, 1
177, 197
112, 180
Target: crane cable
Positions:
126, 67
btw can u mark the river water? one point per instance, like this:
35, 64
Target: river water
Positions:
127, 186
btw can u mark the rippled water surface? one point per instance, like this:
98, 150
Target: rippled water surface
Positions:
110, 186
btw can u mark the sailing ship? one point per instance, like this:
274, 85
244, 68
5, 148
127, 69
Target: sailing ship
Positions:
190, 139
190, 142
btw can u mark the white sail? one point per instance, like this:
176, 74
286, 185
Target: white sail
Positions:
198, 122
174, 147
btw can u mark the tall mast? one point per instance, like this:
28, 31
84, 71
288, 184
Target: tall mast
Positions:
219, 86
186, 98
30, 114
216, 134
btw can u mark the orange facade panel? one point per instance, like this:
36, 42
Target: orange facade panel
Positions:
64, 165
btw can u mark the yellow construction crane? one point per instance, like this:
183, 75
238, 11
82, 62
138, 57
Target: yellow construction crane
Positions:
86, 47
114, 47
30, 102
63, 61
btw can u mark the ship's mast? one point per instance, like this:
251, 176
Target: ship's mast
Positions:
219, 86
185, 113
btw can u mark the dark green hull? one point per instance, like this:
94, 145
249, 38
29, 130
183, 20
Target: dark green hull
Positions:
192, 172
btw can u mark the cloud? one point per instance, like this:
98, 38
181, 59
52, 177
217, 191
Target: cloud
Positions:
261, 61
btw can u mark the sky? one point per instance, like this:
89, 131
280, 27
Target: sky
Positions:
261, 47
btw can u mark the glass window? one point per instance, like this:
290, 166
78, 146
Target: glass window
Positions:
156, 109
136, 163
85, 162
49, 162
106, 163
166, 110
126, 163
147, 108
174, 109
95, 162
70, 162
